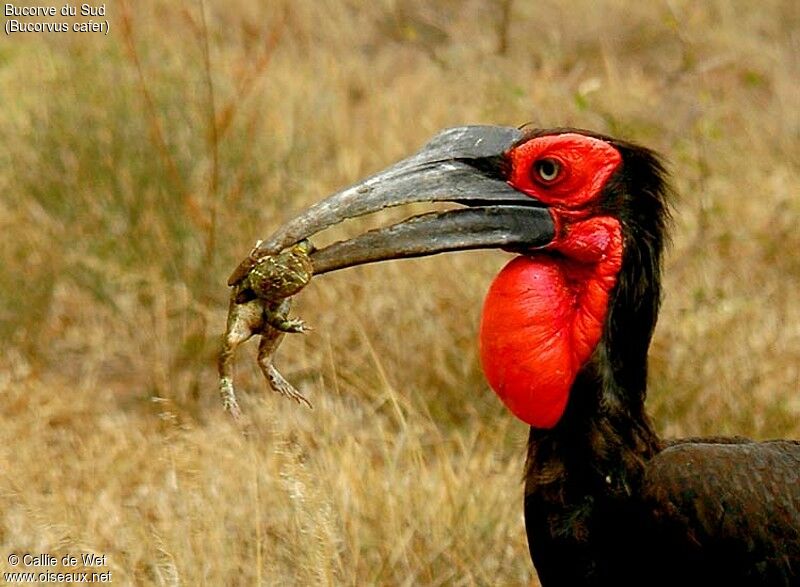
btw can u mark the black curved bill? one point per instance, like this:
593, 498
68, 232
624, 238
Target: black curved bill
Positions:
464, 165
507, 227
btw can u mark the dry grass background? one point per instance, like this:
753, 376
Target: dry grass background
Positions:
137, 169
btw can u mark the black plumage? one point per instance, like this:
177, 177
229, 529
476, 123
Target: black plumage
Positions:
607, 502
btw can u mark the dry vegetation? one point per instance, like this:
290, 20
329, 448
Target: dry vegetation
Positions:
137, 169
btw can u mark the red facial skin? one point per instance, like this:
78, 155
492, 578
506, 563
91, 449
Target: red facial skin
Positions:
544, 313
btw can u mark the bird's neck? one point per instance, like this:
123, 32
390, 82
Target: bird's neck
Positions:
604, 439
580, 477
600, 445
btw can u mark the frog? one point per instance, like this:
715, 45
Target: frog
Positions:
260, 305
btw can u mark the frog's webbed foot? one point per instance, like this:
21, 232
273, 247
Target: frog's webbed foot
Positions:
228, 395
291, 325
277, 382
278, 317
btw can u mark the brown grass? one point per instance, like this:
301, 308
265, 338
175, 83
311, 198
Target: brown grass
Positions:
137, 169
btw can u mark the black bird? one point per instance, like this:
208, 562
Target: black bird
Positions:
565, 332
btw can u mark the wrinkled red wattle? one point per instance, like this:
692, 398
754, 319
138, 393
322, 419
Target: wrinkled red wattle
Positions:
543, 317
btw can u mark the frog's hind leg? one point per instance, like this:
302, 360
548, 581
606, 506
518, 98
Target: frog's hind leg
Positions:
244, 320
277, 382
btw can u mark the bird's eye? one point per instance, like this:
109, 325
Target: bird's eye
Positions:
546, 170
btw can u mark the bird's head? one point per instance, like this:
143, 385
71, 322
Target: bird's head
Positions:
586, 215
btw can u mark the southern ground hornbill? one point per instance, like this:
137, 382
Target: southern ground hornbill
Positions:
564, 337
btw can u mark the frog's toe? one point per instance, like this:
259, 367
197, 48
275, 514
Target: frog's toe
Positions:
292, 393
228, 395
278, 383
294, 325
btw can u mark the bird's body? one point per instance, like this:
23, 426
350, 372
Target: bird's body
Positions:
564, 337
611, 508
